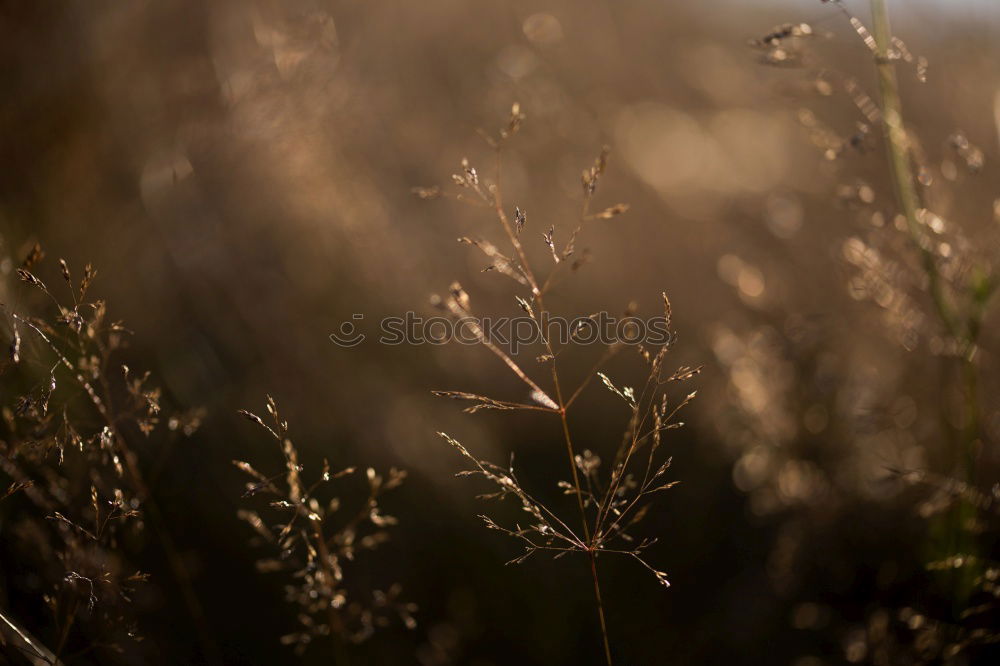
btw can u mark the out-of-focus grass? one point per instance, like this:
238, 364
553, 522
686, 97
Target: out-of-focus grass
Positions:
240, 173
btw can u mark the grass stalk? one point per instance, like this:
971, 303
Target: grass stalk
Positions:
600, 606
616, 505
901, 170
903, 183
537, 293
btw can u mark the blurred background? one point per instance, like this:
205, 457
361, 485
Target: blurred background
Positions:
240, 173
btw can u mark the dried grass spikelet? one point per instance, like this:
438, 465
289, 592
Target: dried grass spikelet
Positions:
313, 535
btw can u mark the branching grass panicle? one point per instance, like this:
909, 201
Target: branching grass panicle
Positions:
609, 505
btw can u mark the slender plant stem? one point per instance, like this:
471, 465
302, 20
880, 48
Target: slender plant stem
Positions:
576, 476
972, 417
30, 649
583, 514
67, 627
600, 606
537, 293
897, 147
964, 333
586, 529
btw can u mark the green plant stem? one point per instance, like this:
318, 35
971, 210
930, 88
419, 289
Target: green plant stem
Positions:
897, 148
963, 333
972, 416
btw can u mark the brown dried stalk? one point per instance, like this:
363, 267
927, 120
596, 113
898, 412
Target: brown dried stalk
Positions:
609, 508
